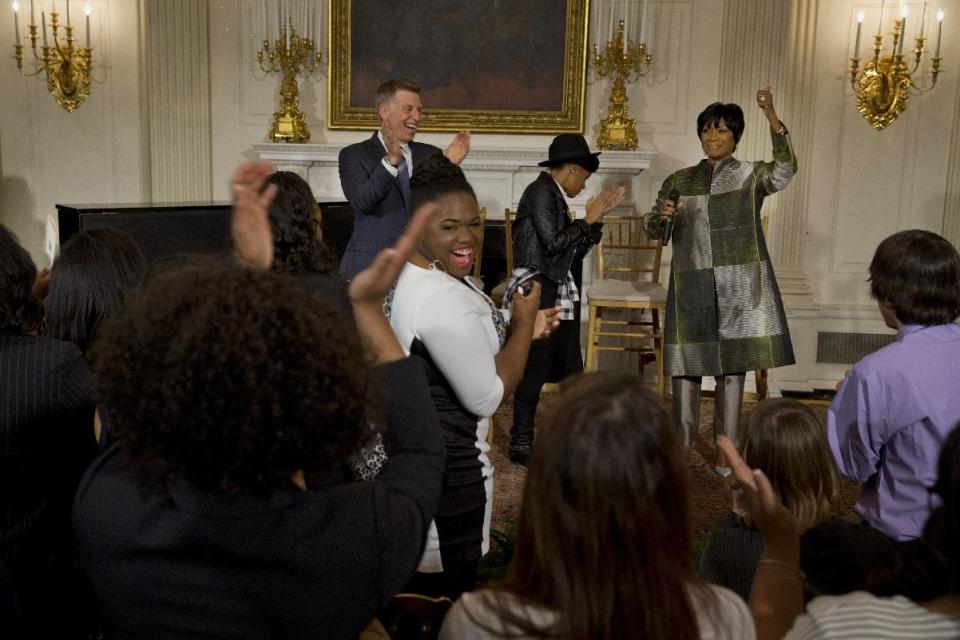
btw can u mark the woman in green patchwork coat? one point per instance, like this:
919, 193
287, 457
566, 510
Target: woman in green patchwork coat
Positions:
724, 313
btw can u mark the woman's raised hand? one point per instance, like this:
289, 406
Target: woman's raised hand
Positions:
369, 288
604, 202
775, 522
250, 221
371, 285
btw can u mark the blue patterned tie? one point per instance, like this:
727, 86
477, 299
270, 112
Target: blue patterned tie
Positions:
404, 178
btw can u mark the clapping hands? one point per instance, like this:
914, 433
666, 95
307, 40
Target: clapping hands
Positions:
604, 202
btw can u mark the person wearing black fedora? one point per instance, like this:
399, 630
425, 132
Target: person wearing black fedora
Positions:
547, 240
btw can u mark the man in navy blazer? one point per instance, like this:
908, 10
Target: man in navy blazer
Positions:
375, 174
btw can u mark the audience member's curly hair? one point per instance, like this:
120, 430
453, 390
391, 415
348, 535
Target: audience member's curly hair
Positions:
94, 272
298, 245
232, 379
20, 311
435, 178
917, 273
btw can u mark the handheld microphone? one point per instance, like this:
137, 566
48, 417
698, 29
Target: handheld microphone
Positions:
666, 229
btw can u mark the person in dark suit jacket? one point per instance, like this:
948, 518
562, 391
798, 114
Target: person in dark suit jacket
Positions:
46, 441
546, 242
375, 174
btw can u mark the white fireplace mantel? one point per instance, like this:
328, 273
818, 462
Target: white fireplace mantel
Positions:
499, 176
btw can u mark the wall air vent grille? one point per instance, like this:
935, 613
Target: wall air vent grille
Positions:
848, 348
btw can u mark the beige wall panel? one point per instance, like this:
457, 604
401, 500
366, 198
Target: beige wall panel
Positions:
92, 155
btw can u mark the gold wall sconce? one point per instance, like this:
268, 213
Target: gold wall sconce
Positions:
67, 66
625, 60
884, 86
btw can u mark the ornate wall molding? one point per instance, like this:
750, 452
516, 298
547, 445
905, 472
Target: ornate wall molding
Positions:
177, 125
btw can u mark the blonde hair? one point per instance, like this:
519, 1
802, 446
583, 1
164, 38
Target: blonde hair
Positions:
788, 442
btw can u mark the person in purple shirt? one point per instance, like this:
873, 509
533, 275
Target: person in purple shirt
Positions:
896, 407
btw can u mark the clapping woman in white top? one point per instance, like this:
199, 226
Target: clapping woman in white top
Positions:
475, 357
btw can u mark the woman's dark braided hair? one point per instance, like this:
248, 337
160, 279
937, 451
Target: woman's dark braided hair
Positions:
436, 177
294, 222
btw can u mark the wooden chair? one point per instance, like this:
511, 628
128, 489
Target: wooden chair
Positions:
479, 257
628, 274
501, 289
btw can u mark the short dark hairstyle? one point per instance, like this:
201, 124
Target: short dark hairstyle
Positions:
233, 380
435, 178
89, 279
20, 311
388, 89
298, 244
731, 114
917, 273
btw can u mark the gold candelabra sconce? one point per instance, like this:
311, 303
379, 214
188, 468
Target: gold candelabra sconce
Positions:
290, 54
626, 61
884, 86
67, 65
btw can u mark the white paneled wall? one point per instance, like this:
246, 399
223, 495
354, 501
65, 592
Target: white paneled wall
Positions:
855, 186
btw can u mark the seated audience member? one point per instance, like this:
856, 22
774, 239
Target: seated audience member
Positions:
776, 596
897, 405
787, 441
298, 246
46, 440
93, 274
237, 397
604, 545
472, 364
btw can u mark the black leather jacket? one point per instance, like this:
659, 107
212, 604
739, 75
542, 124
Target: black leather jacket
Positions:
544, 237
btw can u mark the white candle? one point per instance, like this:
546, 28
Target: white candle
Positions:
903, 28
610, 19
923, 20
32, 20
645, 24
86, 12
856, 47
43, 25
68, 13
16, 20
939, 32
880, 28
653, 20
626, 22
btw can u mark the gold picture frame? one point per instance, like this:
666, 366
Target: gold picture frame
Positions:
509, 66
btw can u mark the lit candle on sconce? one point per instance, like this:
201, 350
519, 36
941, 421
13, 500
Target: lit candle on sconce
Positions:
903, 28
923, 20
87, 10
16, 20
856, 46
939, 31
